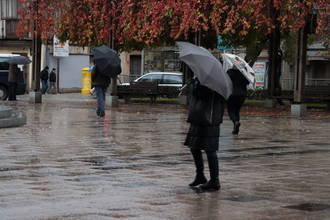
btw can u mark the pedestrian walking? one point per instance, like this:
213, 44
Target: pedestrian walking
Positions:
52, 81
237, 98
100, 82
206, 108
12, 81
44, 79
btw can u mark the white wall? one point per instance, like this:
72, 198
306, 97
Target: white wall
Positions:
70, 69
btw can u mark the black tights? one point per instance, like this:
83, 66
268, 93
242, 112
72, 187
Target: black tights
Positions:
212, 159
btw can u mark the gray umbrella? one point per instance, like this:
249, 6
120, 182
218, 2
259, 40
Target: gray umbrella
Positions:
19, 60
206, 67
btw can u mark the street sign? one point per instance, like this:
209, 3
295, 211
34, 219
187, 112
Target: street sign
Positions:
61, 49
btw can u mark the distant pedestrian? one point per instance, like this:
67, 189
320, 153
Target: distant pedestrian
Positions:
100, 82
52, 81
12, 81
237, 98
44, 79
206, 108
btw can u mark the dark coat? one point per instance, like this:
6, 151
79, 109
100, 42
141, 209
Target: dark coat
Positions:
99, 79
239, 82
206, 108
13, 73
44, 74
52, 76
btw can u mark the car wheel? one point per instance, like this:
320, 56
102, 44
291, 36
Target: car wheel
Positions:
3, 92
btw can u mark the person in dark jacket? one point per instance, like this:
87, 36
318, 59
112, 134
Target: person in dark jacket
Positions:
100, 82
44, 79
12, 81
52, 81
237, 98
206, 108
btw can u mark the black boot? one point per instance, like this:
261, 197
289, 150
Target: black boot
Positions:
199, 179
236, 127
198, 160
214, 183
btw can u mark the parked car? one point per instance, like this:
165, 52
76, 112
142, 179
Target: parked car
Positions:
4, 71
169, 83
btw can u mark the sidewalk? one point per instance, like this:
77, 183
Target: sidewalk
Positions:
257, 110
66, 163
62, 97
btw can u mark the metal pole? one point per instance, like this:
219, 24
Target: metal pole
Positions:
58, 75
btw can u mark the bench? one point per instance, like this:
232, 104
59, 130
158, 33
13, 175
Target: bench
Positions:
311, 94
139, 89
320, 93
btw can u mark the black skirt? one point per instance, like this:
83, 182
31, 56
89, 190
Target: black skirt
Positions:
203, 137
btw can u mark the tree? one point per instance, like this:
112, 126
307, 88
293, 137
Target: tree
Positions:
139, 23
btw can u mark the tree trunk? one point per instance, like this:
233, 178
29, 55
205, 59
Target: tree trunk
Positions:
273, 48
300, 65
36, 53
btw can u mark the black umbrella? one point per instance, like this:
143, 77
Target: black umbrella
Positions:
107, 61
19, 60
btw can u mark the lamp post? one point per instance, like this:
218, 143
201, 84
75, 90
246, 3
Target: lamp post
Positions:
113, 99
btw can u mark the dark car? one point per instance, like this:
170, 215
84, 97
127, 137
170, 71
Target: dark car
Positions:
169, 83
21, 85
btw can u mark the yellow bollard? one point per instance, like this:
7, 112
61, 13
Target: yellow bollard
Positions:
86, 80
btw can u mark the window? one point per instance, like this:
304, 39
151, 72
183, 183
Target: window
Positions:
11, 28
9, 9
172, 79
151, 78
4, 65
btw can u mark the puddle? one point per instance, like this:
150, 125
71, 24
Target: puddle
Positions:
310, 207
246, 198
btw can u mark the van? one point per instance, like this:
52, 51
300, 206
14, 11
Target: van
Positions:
4, 71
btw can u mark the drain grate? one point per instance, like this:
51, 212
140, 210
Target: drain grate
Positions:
310, 207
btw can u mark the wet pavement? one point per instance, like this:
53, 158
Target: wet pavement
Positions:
66, 163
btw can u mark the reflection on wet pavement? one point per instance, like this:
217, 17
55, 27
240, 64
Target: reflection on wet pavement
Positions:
68, 164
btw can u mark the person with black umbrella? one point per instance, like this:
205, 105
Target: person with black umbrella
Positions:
100, 82
107, 65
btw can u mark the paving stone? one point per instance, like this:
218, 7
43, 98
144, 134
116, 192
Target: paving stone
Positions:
66, 163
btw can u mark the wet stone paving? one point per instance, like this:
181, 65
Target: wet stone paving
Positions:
66, 163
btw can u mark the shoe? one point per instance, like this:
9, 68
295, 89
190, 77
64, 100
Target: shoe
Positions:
102, 114
199, 179
236, 127
212, 185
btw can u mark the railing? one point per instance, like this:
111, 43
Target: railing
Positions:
288, 83
317, 82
